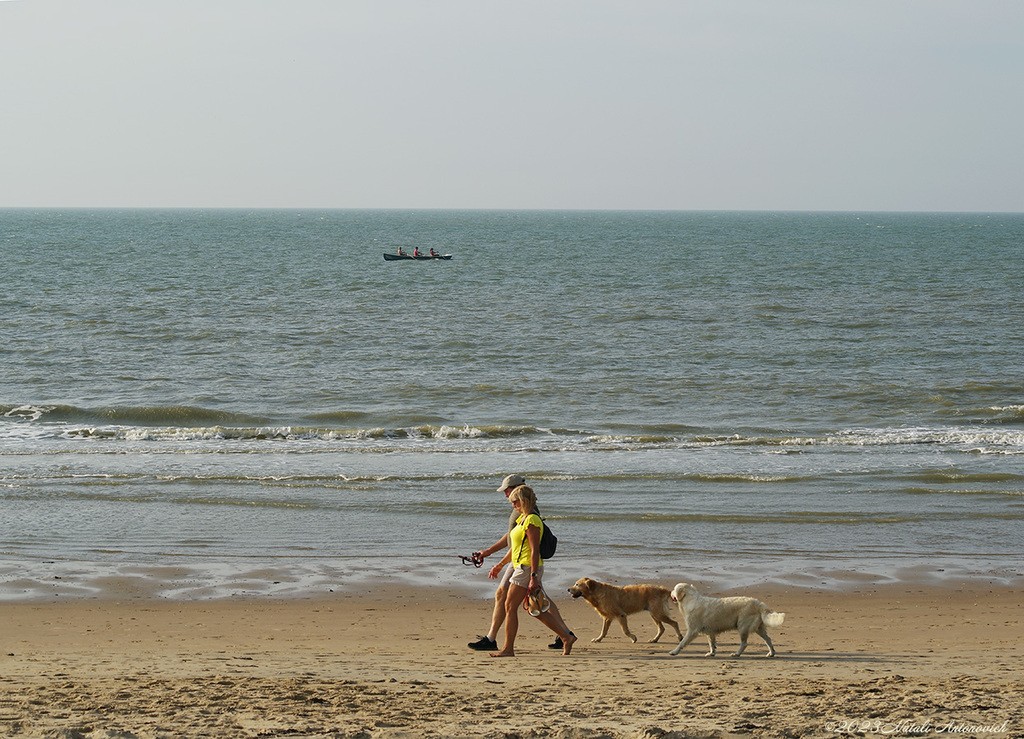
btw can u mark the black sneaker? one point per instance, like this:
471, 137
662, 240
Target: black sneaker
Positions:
557, 643
484, 644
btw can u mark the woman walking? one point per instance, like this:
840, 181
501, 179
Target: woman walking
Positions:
524, 549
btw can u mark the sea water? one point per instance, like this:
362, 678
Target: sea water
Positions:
205, 403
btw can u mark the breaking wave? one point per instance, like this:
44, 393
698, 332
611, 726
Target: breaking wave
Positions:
181, 423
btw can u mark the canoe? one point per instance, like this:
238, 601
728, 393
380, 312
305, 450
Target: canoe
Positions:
421, 257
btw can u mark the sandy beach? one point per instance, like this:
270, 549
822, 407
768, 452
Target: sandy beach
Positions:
894, 660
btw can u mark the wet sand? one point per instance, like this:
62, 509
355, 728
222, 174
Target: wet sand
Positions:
888, 660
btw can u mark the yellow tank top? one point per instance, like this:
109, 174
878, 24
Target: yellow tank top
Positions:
519, 543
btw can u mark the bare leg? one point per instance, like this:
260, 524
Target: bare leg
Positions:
513, 601
554, 608
498, 616
553, 620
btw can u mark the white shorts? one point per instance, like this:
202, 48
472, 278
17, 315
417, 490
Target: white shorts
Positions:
521, 576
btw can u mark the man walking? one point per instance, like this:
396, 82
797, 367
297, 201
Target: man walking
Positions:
502, 572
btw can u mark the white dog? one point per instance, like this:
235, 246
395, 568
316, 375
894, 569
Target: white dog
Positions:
712, 616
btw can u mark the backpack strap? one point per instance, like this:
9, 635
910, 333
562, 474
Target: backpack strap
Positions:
523, 541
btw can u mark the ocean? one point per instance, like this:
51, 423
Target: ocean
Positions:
219, 403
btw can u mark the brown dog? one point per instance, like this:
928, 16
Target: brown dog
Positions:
613, 602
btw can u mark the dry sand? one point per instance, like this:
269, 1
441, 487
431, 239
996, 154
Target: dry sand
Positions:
895, 660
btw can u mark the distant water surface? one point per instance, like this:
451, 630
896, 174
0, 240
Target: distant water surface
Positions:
207, 403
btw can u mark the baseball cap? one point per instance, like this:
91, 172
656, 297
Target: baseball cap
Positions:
512, 481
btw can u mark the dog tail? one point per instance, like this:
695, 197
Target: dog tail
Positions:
772, 618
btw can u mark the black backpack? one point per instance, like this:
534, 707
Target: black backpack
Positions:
548, 542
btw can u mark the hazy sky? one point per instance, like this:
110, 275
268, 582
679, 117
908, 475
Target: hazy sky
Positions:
666, 104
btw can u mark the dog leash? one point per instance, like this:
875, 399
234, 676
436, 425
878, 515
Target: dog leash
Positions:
476, 559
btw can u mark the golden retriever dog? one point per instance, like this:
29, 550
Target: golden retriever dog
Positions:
712, 616
615, 603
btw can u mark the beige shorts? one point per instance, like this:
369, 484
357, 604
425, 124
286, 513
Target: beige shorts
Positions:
521, 576
506, 575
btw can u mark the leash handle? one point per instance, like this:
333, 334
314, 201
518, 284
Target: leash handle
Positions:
476, 559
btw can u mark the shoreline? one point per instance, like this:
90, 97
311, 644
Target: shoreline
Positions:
392, 662
32, 581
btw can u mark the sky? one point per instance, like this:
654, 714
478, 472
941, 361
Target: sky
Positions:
836, 105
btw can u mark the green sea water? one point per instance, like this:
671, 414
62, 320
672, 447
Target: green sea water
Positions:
233, 401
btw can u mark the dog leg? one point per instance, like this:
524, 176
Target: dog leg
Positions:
743, 644
661, 630
675, 625
604, 630
625, 629
763, 633
690, 636
713, 645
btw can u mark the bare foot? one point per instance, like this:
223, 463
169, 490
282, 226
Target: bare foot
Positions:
567, 642
502, 653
